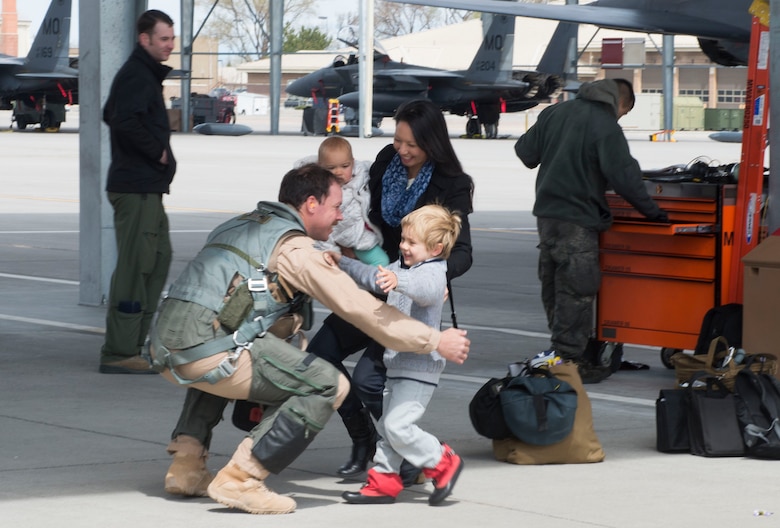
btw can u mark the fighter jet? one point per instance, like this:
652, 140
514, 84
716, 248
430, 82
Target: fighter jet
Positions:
482, 92
45, 76
722, 26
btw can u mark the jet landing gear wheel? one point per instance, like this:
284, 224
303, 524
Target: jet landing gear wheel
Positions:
491, 131
473, 127
605, 353
49, 123
666, 356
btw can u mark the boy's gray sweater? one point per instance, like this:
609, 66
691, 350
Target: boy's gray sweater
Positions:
419, 294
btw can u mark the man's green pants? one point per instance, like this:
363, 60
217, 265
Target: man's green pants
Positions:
143, 257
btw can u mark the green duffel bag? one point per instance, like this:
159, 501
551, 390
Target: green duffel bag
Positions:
539, 408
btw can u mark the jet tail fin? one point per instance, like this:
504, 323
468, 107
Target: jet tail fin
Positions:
50, 48
493, 61
556, 55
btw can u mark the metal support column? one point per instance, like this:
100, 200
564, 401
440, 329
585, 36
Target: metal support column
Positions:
277, 29
774, 132
114, 22
366, 68
570, 72
186, 63
668, 61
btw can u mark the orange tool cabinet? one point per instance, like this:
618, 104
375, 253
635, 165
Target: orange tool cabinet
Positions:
658, 280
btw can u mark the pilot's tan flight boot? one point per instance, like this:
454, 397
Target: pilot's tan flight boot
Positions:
187, 474
240, 485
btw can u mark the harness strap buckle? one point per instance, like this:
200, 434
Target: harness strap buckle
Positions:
226, 367
261, 326
240, 344
257, 285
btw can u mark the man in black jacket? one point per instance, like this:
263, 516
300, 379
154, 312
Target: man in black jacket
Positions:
141, 170
581, 152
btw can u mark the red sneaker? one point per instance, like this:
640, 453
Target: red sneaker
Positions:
444, 475
380, 488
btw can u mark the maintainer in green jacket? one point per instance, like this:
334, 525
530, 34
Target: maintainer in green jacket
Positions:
581, 152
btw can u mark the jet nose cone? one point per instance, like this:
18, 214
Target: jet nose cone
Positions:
302, 87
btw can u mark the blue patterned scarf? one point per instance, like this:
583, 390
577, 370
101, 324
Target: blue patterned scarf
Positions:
397, 200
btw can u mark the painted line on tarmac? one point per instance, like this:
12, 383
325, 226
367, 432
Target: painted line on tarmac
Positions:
76, 201
66, 232
592, 395
38, 279
48, 322
76, 232
38, 198
452, 377
202, 210
56, 324
620, 399
511, 230
522, 230
510, 331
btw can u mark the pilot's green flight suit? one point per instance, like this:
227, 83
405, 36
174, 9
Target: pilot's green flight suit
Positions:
198, 318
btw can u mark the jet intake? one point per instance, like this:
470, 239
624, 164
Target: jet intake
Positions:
725, 52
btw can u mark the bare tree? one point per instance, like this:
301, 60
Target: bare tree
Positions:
243, 26
391, 20
456, 16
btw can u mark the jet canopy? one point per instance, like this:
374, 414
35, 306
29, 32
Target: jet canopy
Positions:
348, 36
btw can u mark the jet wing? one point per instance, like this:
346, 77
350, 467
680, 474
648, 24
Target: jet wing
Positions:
506, 85
7, 60
48, 75
645, 20
415, 74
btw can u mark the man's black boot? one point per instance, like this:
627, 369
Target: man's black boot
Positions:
590, 373
410, 475
364, 437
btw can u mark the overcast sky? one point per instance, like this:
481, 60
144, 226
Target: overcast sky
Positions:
34, 10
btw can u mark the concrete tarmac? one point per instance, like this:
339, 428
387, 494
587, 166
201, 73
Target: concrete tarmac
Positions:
81, 448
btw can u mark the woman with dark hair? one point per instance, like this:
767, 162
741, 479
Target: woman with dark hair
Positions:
419, 168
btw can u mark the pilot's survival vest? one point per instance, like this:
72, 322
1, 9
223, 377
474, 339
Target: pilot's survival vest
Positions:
243, 246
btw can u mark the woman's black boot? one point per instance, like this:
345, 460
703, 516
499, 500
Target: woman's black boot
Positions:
363, 434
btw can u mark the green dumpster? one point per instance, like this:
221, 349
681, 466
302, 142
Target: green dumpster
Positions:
723, 118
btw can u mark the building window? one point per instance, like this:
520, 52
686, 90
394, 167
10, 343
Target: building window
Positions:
731, 96
704, 95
